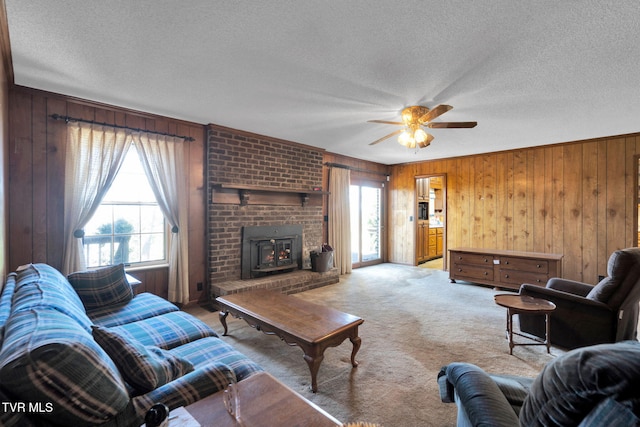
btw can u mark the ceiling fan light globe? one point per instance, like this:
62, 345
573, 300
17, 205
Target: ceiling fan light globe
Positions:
420, 136
405, 138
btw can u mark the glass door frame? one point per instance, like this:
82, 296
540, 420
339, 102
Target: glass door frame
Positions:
383, 221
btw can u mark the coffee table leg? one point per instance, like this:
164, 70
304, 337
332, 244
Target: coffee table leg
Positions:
314, 366
356, 341
223, 319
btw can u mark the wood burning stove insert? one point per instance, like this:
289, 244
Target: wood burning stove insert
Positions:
270, 250
273, 254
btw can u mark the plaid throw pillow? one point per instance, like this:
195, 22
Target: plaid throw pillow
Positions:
145, 368
102, 287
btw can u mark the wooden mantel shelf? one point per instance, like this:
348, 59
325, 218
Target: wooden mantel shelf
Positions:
244, 194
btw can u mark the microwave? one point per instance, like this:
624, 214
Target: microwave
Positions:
423, 210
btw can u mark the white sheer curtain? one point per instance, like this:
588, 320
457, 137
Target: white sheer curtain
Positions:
94, 156
162, 158
340, 218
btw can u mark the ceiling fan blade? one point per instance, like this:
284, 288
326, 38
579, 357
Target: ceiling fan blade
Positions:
435, 112
387, 122
451, 125
386, 137
426, 142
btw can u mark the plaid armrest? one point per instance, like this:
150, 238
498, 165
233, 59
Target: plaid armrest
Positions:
185, 390
5, 302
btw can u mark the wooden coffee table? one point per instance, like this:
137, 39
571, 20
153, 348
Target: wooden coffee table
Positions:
264, 401
521, 304
310, 326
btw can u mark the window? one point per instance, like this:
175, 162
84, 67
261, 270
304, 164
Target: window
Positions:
129, 226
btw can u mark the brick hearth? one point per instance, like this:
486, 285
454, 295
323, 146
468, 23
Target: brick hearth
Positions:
288, 283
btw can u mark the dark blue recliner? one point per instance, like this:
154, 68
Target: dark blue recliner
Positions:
591, 386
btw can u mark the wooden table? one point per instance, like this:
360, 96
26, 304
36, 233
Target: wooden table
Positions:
310, 326
517, 304
264, 402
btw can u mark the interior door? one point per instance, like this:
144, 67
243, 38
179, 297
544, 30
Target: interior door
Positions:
366, 224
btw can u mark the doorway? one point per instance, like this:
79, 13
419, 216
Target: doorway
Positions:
365, 202
430, 232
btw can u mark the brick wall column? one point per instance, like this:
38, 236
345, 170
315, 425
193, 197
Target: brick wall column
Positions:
236, 157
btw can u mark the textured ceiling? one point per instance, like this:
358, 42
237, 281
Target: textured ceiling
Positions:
529, 72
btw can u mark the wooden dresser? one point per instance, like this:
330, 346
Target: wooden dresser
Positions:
503, 269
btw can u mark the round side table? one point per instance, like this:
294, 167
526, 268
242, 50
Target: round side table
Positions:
520, 304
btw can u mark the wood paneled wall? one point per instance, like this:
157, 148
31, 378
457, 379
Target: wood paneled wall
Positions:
577, 199
36, 175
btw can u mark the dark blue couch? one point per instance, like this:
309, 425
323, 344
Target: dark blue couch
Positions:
84, 350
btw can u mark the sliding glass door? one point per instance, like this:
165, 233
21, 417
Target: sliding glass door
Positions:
366, 224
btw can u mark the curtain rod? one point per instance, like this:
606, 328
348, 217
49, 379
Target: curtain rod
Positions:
68, 119
338, 165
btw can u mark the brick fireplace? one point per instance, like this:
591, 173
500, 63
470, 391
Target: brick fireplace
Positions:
258, 181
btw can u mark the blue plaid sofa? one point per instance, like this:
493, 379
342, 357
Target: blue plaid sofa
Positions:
591, 386
84, 350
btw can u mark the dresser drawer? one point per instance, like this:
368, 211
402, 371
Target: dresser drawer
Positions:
475, 259
533, 265
517, 277
473, 271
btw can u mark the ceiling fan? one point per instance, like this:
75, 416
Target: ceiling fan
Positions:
413, 119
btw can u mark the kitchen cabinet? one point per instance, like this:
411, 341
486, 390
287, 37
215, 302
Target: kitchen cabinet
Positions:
422, 189
431, 253
422, 241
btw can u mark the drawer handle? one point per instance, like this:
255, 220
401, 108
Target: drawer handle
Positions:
459, 270
485, 273
538, 265
486, 260
506, 262
506, 276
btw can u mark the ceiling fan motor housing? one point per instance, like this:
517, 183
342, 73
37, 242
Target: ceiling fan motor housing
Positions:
411, 115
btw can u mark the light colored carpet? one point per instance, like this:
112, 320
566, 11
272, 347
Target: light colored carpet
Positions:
415, 322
